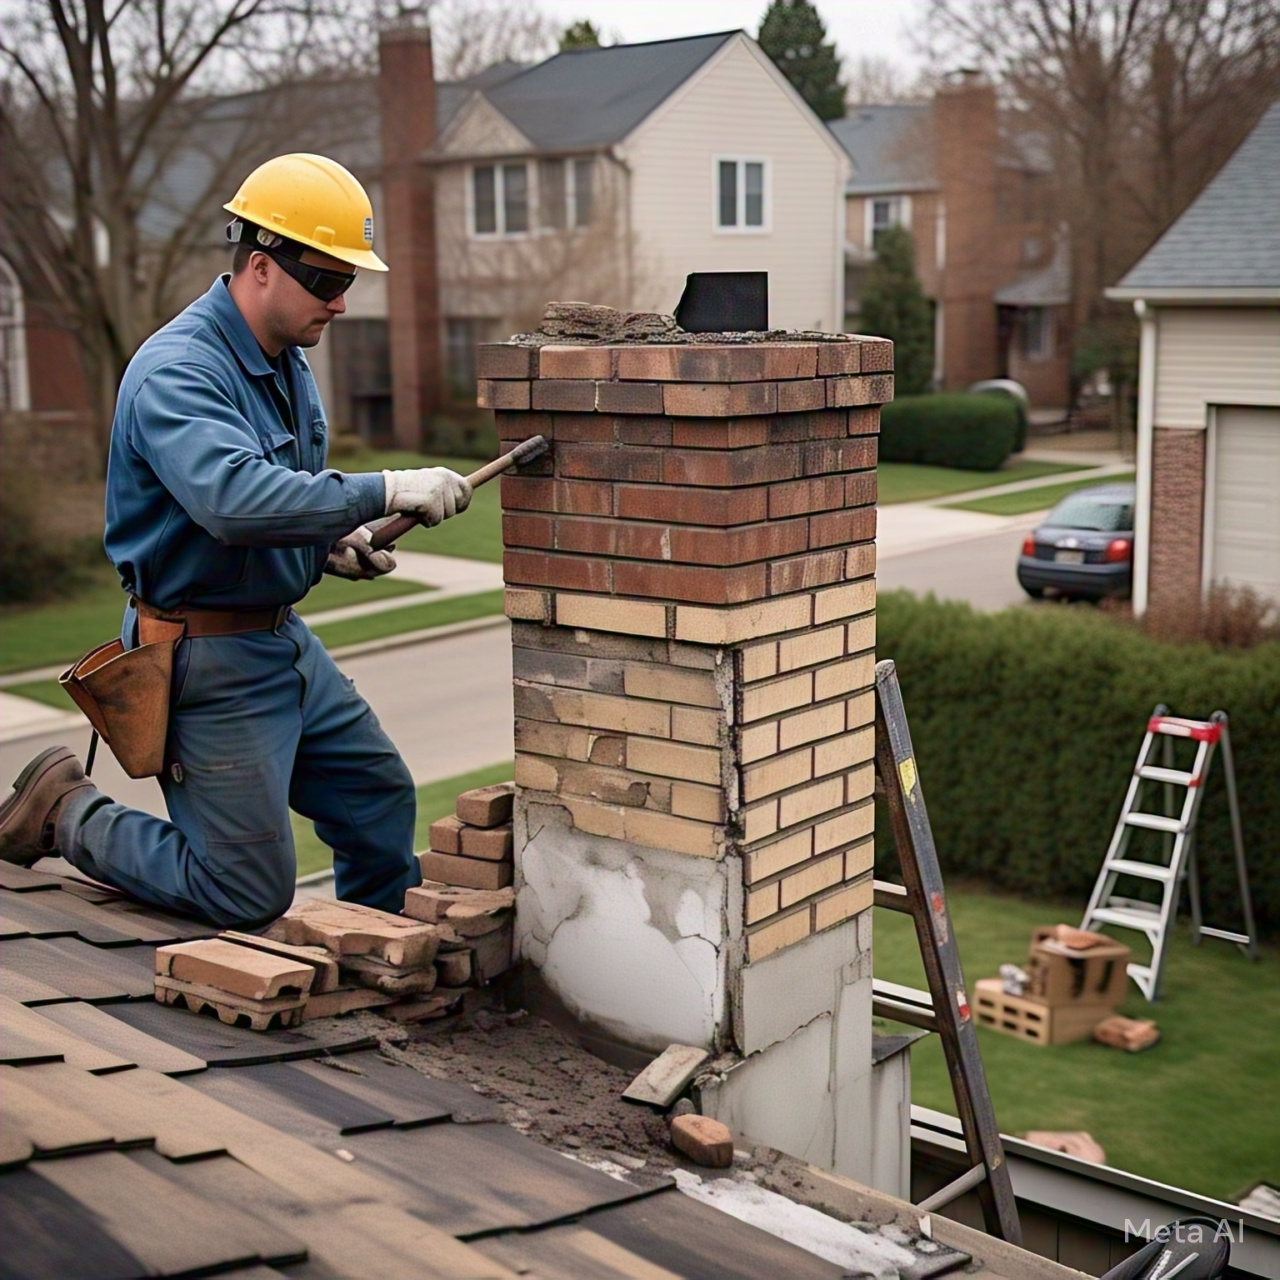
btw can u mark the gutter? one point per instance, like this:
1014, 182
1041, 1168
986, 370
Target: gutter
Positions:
1172, 295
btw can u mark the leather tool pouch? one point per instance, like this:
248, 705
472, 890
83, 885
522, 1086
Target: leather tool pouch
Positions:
125, 693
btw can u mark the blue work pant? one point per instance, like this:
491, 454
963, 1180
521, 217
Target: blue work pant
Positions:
261, 723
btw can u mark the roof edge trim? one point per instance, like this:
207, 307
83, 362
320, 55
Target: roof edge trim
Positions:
1243, 295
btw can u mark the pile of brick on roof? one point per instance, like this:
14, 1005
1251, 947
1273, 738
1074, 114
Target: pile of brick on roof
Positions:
324, 957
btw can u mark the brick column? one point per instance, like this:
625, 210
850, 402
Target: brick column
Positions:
691, 579
1177, 521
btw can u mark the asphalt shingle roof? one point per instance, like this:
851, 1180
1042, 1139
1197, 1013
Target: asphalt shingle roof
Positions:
1230, 234
890, 147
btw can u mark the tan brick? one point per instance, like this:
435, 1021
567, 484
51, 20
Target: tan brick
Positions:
471, 873
760, 661
799, 806
810, 879
493, 844
859, 860
679, 835
777, 774
810, 648
860, 561
742, 622
842, 904
528, 606
844, 677
242, 971
853, 824
595, 819
843, 602
860, 710
758, 741
705, 804
705, 1141
695, 725
445, 834
809, 726
486, 806
781, 933
844, 752
760, 821
604, 711
566, 741
860, 783
603, 613
861, 634
608, 750
668, 684
533, 773
778, 856
781, 695
673, 760
761, 903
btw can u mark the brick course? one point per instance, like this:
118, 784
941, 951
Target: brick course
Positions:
1177, 520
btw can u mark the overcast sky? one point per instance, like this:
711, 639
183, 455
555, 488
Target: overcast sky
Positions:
857, 26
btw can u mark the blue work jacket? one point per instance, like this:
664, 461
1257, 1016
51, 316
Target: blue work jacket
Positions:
217, 495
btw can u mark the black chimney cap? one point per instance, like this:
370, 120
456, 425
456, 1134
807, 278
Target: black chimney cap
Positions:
724, 302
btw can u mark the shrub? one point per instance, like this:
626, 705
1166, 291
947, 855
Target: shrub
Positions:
39, 557
954, 429
894, 307
1026, 725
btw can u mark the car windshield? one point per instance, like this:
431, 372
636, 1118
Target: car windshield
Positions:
1093, 511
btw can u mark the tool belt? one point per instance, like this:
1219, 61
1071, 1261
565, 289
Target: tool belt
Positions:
125, 693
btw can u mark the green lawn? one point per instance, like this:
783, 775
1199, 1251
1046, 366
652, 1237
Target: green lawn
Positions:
435, 800
1198, 1110
414, 617
909, 482
1016, 504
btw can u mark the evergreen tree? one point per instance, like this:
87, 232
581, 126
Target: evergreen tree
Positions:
793, 34
894, 306
580, 35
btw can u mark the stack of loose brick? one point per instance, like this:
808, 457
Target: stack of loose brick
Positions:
691, 581
472, 848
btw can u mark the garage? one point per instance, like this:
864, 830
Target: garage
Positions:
1243, 520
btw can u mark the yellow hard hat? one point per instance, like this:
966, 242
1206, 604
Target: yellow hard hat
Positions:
313, 200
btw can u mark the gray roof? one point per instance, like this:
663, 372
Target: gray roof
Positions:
594, 97
1228, 239
890, 146
1048, 286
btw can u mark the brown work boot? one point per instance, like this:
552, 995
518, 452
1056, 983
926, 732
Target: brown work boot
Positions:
27, 817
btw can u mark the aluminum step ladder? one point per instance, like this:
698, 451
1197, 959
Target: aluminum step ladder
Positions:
944, 1008
1178, 825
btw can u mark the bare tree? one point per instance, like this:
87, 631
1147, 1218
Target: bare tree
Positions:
872, 80
468, 36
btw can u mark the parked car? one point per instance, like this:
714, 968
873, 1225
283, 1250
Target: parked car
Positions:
1084, 548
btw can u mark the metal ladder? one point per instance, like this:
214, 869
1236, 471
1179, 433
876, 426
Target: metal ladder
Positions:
1155, 920
944, 1008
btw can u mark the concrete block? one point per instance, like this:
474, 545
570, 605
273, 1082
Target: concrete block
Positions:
705, 1141
446, 834
486, 806
471, 873
601, 613
667, 1076
241, 971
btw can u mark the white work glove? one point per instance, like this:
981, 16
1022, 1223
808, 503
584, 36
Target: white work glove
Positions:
354, 557
431, 493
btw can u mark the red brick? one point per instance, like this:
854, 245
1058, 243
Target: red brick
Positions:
739, 362
493, 845
647, 364
472, 873
629, 397
719, 399
583, 498
804, 572
821, 494
839, 528
705, 1141
579, 428
644, 430
616, 462
502, 395
521, 424
821, 424
803, 396
690, 583
846, 392
737, 546
526, 531
860, 489
730, 469
578, 397
720, 507
609, 538
727, 433
877, 354
839, 357
542, 569
526, 493
1177, 517
502, 360
882, 388
575, 362
824, 457
864, 422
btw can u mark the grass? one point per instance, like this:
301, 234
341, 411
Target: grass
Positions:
910, 482
1017, 504
414, 617
1192, 1111
435, 800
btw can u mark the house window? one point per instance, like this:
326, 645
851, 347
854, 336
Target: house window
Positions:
564, 193
884, 212
742, 195
15, 393
462, 335
500, 199
1037, 332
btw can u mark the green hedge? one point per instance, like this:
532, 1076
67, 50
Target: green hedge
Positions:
1027, 723
974, 432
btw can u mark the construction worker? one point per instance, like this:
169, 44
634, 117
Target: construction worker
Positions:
220, 515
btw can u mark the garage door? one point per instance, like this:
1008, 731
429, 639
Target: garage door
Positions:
1246, 500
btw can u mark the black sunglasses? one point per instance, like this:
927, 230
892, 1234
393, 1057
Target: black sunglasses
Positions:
317, 281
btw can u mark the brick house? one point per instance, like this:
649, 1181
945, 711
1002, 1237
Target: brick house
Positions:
1208, 298
971, 186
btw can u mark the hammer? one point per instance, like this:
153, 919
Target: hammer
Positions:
525, 451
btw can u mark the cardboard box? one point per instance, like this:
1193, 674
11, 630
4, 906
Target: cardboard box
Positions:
1033, 1020
1068, 966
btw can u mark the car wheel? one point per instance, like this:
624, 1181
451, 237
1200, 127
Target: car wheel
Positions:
1036, 593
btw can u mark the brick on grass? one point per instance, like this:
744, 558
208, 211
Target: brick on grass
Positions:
471, 873
485, 806
493, 844
813, 647
705, 1141
446, 834
240, 971
346, 928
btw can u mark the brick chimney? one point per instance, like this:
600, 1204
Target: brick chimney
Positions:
407, 90
691, 582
